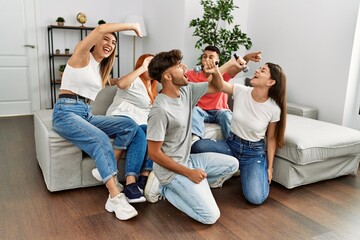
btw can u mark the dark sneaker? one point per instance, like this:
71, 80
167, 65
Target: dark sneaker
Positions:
141, 182
133, 194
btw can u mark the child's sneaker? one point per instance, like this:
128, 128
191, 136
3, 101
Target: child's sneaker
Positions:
141, 182
96, 175
152, 192
133, 194
123, 210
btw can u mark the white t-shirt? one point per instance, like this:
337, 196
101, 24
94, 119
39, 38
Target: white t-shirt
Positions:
133, 102
84, 81
250, 119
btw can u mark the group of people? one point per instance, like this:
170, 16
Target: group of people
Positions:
156, 130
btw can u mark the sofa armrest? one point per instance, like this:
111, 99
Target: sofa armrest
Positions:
59, 160
300, 110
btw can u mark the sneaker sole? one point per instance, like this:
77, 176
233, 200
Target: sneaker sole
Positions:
136, 200
123, 216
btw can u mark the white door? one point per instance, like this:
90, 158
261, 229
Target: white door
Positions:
19, 81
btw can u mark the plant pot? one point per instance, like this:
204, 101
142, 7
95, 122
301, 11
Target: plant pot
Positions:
60, 24
57, 51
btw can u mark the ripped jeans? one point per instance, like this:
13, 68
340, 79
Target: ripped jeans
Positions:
253, 168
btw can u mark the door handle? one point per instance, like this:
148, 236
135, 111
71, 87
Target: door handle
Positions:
31, 46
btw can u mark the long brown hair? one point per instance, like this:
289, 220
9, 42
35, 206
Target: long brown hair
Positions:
278, 93
106, 65
145, 77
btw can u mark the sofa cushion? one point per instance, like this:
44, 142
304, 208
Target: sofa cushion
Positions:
308, 140
213, 131
103, 100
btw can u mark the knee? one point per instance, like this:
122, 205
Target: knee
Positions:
256, 198
211, 217
226, 115
234, 163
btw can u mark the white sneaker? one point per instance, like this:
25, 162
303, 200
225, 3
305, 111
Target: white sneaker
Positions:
123, 210
96, 175
151, 192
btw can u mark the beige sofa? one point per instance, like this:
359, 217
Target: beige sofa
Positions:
65, 166
313, 150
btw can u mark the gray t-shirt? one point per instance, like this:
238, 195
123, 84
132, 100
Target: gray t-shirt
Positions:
170, 121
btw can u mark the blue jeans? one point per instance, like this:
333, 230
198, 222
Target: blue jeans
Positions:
73, 120
253, 168
211, 145
134, 168
196, 200
200, 117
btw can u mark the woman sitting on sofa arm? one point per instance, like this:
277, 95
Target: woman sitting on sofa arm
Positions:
86, 73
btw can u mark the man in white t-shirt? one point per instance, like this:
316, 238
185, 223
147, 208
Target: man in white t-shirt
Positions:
185, 179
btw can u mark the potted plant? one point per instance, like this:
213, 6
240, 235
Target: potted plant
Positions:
101, 22
60, 21
210, 31
67, 51
61, 69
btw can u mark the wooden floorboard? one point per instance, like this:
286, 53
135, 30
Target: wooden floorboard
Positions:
324, 210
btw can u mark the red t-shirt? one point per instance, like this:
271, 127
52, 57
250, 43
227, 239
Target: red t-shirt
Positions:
214, 101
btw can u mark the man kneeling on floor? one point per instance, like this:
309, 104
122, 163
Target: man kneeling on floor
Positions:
185, 179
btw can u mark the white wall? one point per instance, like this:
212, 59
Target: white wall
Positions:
312, 41
108, 10
168, 27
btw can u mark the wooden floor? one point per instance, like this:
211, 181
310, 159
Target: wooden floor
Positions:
325, 210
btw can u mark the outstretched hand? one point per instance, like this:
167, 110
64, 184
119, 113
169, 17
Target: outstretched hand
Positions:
255, 57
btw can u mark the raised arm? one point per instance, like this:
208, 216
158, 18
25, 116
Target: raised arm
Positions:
234, 66
217, 81
125, 81
228, 88
80, 57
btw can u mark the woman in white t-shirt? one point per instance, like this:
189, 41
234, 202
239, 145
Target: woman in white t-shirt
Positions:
134, 97
259, 116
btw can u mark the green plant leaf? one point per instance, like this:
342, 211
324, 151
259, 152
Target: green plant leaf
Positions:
209, 31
